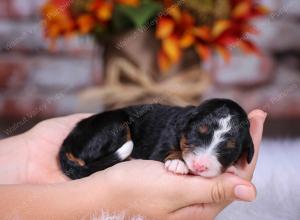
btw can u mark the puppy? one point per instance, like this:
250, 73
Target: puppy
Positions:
202, 140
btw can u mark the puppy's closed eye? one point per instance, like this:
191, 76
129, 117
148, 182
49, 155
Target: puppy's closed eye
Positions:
203, 129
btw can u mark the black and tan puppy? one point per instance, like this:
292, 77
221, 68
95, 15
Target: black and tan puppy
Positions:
203, 140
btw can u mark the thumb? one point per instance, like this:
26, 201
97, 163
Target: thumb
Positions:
225, 187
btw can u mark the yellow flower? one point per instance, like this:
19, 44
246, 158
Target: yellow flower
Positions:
164, 28
104, 11
175, 32
171, 47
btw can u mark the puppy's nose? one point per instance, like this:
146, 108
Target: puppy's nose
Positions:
199, 167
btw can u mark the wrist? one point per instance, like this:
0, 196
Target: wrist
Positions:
97, 193
104, 195
83, 199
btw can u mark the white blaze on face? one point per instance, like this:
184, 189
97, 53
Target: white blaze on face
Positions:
206, 156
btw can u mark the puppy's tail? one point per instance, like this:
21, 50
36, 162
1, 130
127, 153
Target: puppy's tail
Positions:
76, 168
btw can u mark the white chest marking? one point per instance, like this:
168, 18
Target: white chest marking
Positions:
125, 151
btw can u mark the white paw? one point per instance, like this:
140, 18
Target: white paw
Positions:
176, 166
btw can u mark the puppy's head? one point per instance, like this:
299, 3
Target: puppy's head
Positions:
215, 136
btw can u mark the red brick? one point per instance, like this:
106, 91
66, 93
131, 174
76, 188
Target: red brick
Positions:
51, 72
24, 106
6, 8
12, 75
42, 104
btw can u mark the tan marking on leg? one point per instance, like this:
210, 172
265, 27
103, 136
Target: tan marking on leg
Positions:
174, 154
128, 133
183, 144
71, 157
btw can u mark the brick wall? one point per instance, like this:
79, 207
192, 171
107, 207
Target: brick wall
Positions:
36, 83
30, 74
272, 85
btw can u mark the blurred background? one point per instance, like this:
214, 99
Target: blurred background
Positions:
63, 56
42, 78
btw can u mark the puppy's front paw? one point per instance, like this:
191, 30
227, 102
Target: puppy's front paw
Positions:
176, 166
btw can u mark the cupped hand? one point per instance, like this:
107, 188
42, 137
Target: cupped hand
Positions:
144, 187
43, 142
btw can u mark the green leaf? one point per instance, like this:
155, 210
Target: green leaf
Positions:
138, 16
120, 22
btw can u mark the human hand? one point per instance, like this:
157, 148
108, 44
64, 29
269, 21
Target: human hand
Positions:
42, 144
145, 187
32, 156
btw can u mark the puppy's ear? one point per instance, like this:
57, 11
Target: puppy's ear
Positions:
248, 147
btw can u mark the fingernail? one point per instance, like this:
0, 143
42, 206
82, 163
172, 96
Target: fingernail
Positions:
245, 193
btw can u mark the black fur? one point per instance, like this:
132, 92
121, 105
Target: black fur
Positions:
156, 130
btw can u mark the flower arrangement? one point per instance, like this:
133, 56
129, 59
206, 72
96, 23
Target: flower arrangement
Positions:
206, 26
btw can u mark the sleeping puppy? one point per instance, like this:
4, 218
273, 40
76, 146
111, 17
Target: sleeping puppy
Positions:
202, 140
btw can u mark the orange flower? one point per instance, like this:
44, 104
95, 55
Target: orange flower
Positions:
179, 31
248, 47
224, 52
171, 47
241, 9
103, 10
104, 13
163, 60
203, 51
175, 32
186, 40
202, 32
133, 3
85, 23
60, 20
165, 27
57, 22
220, 27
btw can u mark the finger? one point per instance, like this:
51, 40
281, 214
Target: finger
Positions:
210, 210
193, 212
256, 118
60, 127
213, 209
226, 187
